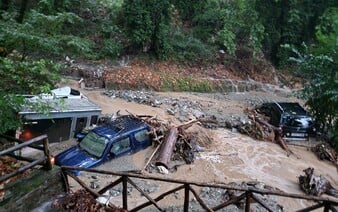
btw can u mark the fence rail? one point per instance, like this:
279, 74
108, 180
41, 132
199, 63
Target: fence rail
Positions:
45, 160
249, 193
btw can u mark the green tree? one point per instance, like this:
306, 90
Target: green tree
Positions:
57, 28
18, 78
318, 66
147, 24
289, 22
227, 25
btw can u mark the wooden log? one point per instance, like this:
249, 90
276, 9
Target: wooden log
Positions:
262, 121
278, 134
188, 124
151, 157
167, 148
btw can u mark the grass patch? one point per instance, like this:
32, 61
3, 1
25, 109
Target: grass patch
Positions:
187, 84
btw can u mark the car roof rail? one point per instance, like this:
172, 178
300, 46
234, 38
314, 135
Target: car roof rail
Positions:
278, 105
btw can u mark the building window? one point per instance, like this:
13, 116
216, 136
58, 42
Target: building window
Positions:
93, 120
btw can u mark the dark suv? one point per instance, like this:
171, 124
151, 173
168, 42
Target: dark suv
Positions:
294, 120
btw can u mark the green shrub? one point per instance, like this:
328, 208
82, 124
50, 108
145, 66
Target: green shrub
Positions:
189, 49
22, 77
111, 48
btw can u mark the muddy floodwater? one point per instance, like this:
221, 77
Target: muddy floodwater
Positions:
231, 157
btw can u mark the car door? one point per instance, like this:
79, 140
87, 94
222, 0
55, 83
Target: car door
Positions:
141, 139
121, 146
275, 117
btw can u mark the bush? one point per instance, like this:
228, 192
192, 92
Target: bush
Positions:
22, 78
111, 48
187, 48
321, 86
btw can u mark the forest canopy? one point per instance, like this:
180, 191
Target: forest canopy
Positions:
36, 34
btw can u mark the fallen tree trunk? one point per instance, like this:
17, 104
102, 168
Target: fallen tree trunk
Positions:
167, 148
277, 132
325, 152
316, 185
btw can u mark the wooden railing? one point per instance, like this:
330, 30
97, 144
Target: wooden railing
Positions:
249, 194
44, 160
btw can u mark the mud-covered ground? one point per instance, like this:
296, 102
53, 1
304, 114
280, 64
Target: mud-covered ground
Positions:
230, 157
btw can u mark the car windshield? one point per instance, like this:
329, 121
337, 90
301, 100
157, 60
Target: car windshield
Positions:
299, 121
94, 144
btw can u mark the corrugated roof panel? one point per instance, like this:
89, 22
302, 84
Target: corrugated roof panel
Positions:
62, 105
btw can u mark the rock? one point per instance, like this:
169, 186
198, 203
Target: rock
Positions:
95, 184
163, 170
170, 111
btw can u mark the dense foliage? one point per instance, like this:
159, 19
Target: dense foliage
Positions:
183, 30
19, 78
318, 66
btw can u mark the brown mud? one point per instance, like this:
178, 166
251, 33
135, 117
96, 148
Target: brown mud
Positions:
231, 157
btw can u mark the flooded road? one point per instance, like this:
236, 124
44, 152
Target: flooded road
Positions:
232, 157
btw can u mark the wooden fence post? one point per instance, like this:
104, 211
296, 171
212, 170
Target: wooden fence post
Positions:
125, 192
186, 197
48, 163
247, 201
327, 206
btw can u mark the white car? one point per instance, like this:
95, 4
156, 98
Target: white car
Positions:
61, 93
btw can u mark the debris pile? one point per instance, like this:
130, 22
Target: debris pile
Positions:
174, 143
316, 185
91, 75
82, 200
325, 152
141, 97
259, 128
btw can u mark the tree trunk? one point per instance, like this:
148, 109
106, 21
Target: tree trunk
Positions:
22, 11
167, 148
4, 5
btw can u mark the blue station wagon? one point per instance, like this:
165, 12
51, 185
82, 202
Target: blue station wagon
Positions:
121, 136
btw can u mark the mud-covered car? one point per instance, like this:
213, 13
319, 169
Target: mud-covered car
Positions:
119, 137
295, 121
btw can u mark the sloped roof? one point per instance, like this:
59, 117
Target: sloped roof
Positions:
59, 107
